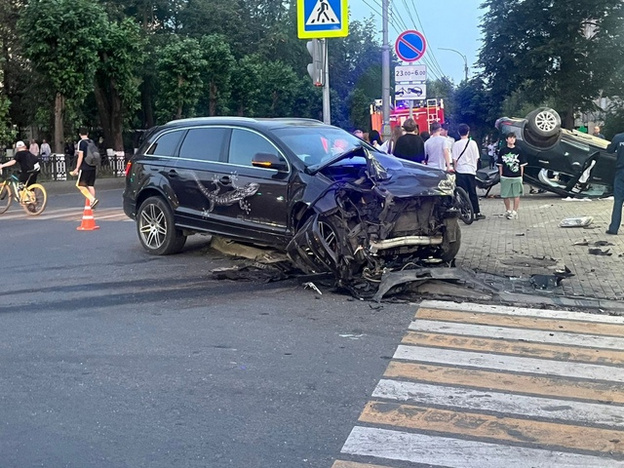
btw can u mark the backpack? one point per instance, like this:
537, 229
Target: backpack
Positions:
92, 156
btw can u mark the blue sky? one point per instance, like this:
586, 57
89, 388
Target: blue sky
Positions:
450, 24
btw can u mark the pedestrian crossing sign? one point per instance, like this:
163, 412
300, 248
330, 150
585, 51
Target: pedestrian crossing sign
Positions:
318, 19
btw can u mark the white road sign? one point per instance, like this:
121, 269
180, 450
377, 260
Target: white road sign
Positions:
406, 74
410, 91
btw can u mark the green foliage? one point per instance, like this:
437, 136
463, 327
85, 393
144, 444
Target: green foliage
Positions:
7, 134
180, 65
217, 74
614, 121
471, 103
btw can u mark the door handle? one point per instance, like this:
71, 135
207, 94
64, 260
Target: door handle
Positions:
173, 173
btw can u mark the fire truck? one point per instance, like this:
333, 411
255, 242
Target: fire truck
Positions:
428, 111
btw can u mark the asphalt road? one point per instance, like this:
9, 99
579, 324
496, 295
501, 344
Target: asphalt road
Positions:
110, 357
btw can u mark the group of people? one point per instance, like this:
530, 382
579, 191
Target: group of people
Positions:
437, 149
27, 158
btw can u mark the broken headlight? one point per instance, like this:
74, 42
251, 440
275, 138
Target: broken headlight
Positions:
447, 186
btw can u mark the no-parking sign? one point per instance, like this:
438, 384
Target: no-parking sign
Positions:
410, 46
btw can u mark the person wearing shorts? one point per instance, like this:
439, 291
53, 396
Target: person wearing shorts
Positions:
86, 174
511, 164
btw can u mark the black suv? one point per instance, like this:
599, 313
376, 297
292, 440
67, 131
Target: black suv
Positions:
327, 198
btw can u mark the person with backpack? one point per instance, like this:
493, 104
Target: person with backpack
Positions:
86, 166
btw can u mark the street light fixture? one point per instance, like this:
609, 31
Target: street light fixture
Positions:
462, 56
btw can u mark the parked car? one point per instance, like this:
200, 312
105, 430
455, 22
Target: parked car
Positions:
566, 162
328, 199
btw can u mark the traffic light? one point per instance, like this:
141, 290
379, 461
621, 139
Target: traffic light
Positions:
316, 69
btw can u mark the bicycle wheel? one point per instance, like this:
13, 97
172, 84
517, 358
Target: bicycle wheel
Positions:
463, 204
34, 199
6, 197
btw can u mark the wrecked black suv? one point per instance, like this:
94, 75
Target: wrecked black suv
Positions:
320, 194
565, 162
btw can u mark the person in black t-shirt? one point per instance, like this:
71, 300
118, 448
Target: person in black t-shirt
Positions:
511, 164
410, 146
86, 174
28, 163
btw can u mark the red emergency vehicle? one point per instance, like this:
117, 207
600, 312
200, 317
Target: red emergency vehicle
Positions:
432, 110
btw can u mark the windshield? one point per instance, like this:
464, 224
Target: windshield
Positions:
315, 145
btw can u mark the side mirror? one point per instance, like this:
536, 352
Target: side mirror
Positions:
269, 161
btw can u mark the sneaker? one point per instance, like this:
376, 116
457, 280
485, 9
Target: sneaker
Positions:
514, 215
611, 232
508, 214
479, 216
94, 203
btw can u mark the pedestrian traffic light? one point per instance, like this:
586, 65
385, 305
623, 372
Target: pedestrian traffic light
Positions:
316, 69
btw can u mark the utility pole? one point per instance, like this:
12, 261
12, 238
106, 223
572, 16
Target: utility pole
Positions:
385, 72
462, 56
326, 104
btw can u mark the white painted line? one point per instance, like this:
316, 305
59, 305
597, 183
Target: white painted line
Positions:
458, 453
521, 311
503, 403
520, 334
515, 364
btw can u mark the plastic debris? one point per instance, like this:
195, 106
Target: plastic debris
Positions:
312, 286
581, 221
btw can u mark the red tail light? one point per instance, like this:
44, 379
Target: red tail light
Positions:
128, 166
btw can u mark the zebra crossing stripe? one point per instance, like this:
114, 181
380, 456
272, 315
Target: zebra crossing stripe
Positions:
502, 403
520, 311
539, 336
506, 381
516, 348
452, 452
348, 464
502, 428
524, 323
501, 362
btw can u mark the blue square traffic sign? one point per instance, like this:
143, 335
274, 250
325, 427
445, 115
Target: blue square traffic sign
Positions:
317, 19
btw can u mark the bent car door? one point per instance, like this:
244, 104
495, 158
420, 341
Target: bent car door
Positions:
253, 200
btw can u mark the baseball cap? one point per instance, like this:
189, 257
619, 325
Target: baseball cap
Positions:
20, 143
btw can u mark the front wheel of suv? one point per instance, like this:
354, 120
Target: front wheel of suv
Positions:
156, 229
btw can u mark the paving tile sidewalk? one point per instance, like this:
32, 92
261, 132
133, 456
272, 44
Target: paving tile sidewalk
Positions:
536, 244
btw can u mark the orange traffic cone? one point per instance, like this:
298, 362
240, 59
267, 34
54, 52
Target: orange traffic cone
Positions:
88, 221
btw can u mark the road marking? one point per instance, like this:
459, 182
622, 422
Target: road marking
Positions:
346, 464
452, 452
520, 311
475, 386
69, 214
504, 403
574, 339
514, 347
506, 381
486, 426
534, 323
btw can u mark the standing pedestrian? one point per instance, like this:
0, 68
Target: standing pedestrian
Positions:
437, 150
358, 133
86, 174
465, 153
374, 138
511, 164
46, 151
617, 144
410, 146
390, 144
597, 133
34, 147
492, 153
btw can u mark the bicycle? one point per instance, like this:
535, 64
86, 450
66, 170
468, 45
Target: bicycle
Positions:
33, 198
464, 205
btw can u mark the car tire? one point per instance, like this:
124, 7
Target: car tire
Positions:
156, 228
451, 240
544, 122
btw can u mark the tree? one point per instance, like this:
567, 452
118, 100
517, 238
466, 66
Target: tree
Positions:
471, 104
180, 65
117, 82
564, 50
216, 76
62, 38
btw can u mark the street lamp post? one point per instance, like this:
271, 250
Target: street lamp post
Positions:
462, 56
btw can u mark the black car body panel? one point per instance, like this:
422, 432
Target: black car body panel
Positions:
565, 162
327, 198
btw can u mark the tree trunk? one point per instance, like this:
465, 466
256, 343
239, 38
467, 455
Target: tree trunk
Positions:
212, 103
59, 109
110, 113
568, 119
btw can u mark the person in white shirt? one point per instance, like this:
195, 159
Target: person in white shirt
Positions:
465, 153
437, 152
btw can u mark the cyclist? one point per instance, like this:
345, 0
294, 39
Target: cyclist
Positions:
28, 162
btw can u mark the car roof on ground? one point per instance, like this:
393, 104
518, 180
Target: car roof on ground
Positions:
266, 123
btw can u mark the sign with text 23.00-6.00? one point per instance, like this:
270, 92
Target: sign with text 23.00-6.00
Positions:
317, 19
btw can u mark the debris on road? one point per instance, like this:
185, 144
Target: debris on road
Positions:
582, 221
312, 286
600, 252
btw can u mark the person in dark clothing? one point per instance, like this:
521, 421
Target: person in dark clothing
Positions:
410, 146
86, 173
28, 163
617, 144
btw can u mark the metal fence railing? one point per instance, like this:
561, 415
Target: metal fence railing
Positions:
57, 167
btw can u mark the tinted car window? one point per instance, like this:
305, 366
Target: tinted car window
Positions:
313, 146
245, 144
166, 144
205, 144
